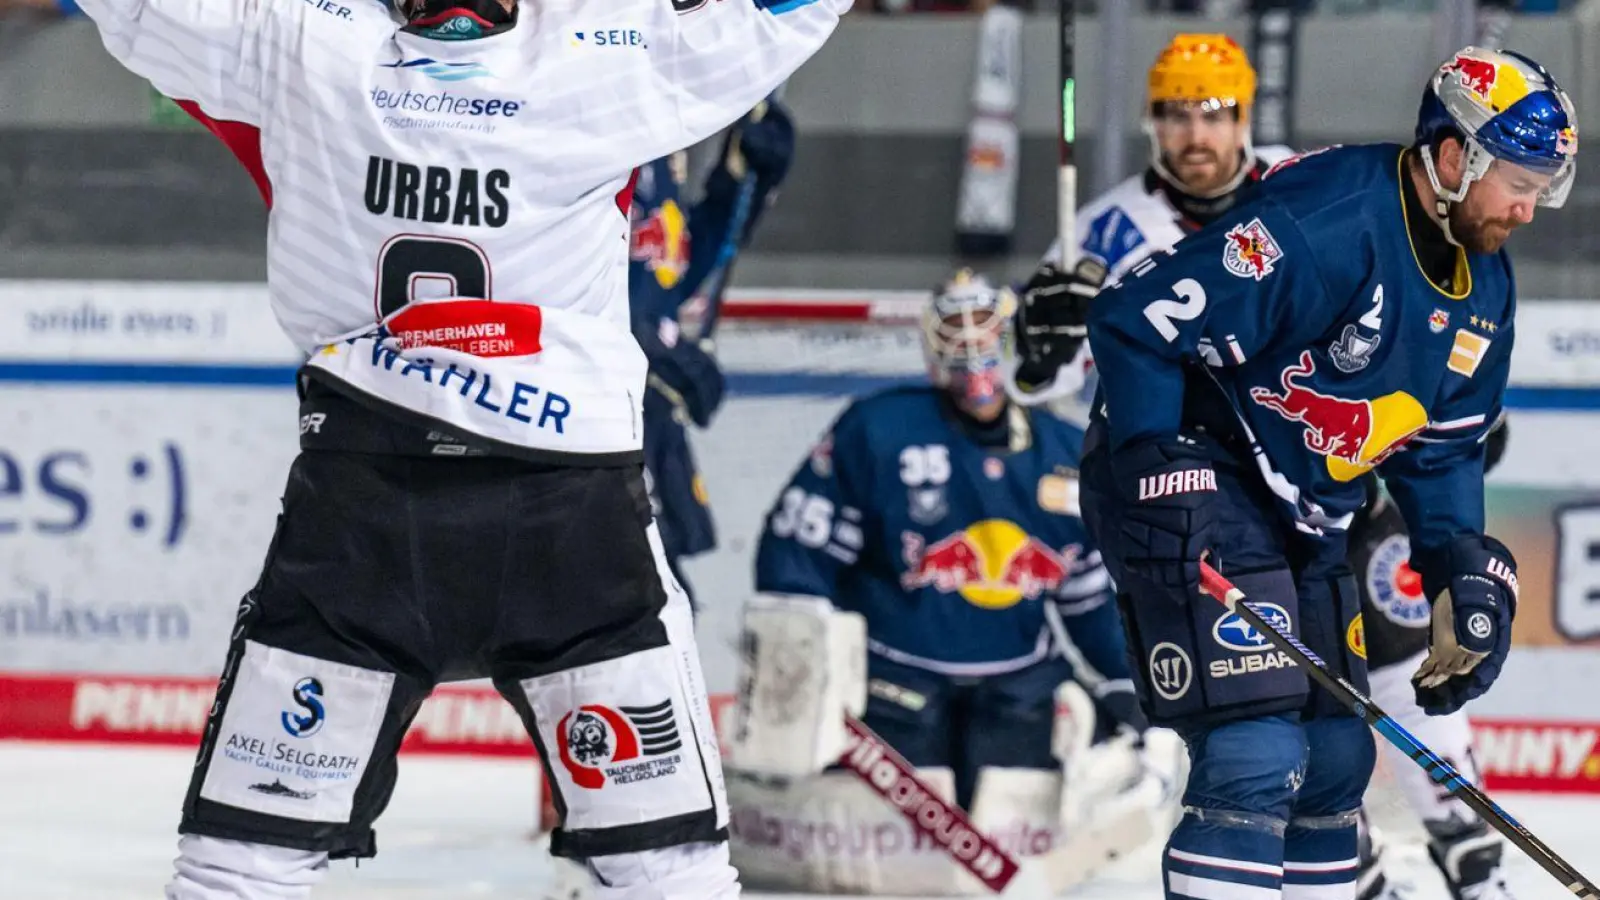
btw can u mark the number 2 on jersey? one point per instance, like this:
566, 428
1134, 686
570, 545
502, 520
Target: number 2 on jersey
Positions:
1190, 304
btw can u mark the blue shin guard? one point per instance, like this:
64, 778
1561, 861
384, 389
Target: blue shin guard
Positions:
1319, 853
1242, 789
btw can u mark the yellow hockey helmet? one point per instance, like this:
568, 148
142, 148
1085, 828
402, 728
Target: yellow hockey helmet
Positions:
1197, 68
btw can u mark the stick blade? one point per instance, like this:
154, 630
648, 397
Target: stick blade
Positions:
1030, 883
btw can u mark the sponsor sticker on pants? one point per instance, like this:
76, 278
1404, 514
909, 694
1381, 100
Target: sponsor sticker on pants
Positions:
296, 736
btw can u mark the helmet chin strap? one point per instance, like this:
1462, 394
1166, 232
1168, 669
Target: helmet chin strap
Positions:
1442, 201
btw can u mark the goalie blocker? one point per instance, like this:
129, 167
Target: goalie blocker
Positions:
361, 611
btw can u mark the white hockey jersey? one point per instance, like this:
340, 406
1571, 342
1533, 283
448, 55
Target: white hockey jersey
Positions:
1119, 229
407, 176
1129, 223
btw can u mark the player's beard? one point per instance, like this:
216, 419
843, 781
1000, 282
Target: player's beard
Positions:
1476, 233
1201, 169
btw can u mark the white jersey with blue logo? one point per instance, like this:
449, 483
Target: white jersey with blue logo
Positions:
1119, 229
1131, 222
468, 196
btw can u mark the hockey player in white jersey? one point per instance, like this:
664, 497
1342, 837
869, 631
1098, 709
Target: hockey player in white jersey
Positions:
449, 184
1201, 89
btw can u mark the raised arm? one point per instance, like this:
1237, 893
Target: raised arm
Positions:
207, 51
721, 57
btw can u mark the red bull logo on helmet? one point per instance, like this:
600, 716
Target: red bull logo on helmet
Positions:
661, 241
1477, 75
1250, 251
1567, 141
1354, 435
993, 564
1495, 85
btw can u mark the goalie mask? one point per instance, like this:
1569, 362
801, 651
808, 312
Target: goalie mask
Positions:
966, 335
1511, 117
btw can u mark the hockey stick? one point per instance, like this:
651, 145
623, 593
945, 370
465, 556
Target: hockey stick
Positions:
882, 768
1441, 772
871, 759
728, 254
1067, 173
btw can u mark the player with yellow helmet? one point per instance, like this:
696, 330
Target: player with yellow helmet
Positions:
1200, 93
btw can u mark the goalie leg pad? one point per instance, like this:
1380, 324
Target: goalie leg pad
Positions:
832, 834
1019, 809
802, 668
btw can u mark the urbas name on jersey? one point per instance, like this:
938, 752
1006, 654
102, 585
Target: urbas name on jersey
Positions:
1332, 349
479, 170
948, 548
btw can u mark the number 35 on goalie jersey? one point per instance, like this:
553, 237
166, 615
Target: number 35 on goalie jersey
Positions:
947, 547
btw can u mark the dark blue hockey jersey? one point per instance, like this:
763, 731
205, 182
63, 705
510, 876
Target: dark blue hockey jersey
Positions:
673, 248
949, 548
1334, 353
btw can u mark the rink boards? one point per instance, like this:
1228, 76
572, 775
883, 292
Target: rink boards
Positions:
145, 431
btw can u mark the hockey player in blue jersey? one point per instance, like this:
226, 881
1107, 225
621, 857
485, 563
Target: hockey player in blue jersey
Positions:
674, 251
1354, 316
948, 517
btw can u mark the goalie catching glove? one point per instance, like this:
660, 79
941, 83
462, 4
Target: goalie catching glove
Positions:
1473, 581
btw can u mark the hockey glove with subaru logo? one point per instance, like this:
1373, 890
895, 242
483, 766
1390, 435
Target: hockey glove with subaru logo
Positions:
1168, 518
1473, 580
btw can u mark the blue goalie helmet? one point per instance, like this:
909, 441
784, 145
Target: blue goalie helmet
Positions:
966, 336
1507, 108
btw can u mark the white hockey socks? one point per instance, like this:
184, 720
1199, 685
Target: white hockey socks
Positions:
687, 872
211, 868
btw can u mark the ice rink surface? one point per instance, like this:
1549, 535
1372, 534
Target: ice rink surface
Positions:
95, 823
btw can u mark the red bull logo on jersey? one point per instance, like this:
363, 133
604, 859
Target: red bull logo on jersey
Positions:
993, 564
661, 242
1250, 251
1353, 435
